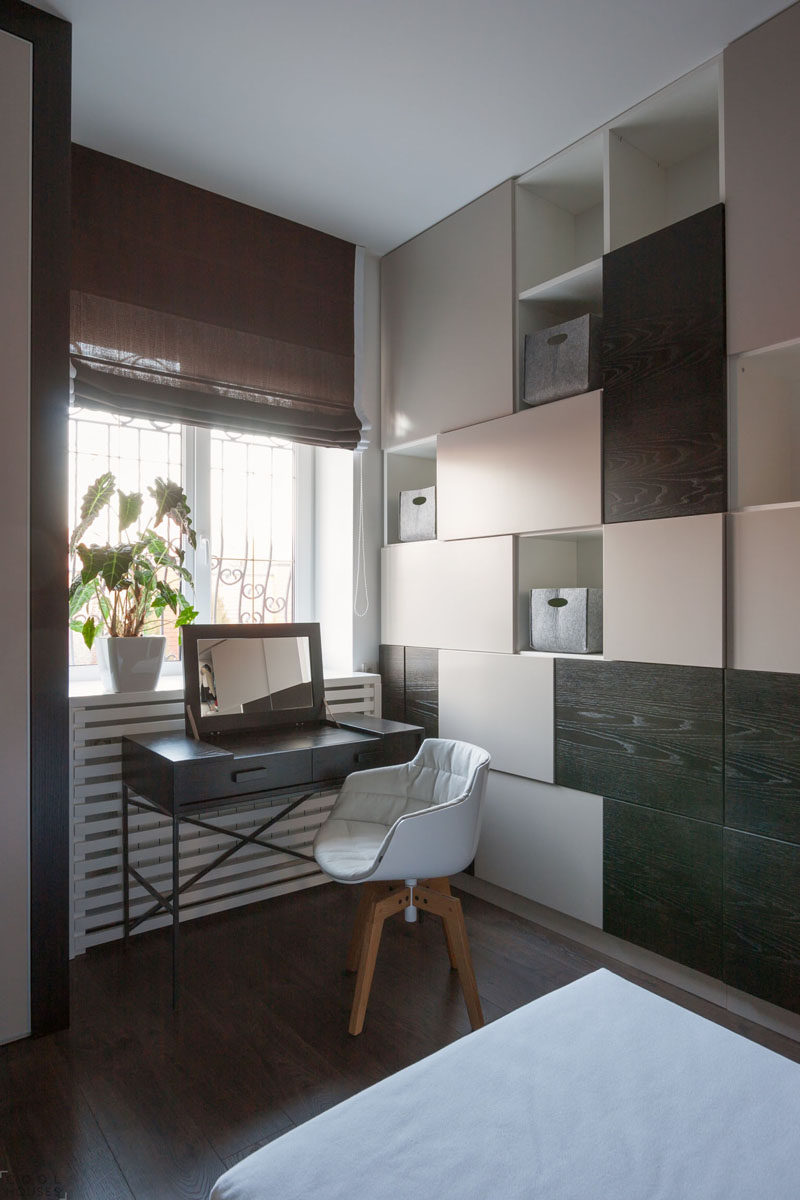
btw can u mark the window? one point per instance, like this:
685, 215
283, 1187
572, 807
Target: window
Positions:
243, 490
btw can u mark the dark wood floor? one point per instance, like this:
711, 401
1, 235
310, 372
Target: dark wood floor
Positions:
135, 1102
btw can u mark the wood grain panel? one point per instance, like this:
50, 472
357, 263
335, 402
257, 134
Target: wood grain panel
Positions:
391, 667
662, 883
762, 753
422, 688
762, 917
664, 414
649, 734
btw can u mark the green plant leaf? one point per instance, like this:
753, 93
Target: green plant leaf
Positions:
187, 615
92, 558
98, 494
79, 594
167, 596
111, 562
171, 502
89, 631
130, 508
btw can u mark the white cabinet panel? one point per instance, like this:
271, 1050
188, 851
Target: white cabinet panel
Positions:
447, 323
663, 598
763, 590
762, 181
534, 470
503, 703
454, 595
544, 842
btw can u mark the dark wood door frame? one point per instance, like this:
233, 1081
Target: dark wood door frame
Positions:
51, 39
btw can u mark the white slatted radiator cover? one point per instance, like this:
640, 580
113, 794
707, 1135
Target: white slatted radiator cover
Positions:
98, 723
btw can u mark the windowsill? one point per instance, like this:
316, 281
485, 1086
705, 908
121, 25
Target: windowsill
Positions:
172, 685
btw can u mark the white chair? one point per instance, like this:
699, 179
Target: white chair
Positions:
401, 831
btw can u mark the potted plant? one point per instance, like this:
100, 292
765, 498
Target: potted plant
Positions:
124, 589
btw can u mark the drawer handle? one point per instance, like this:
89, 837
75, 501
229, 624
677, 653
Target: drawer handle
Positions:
253, 773
369, 756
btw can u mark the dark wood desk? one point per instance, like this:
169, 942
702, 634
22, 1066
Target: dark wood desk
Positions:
180, 778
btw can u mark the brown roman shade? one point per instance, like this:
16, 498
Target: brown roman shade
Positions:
190, 307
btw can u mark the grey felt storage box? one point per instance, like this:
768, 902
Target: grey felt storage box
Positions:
418, 515
567, 620
563, 360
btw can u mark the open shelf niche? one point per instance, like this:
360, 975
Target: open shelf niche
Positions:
765, 434
406, 468
560, 211
567, 558
663, 158
560, 241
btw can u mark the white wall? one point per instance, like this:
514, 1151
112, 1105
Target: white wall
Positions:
15, 198
366, 628
333, 574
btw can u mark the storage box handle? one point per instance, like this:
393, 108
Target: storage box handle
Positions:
558, 602
419, 499
557, 339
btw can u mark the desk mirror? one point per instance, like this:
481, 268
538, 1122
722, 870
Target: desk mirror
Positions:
252, 676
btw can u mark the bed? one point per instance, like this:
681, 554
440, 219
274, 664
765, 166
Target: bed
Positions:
599, 1090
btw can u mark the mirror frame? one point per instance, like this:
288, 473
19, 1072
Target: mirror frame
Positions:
238, 722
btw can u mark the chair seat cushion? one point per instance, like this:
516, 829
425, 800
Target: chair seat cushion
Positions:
347, 850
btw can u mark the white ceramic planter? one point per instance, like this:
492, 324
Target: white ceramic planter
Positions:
130, 664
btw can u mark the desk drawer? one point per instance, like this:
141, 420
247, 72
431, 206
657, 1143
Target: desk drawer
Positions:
333, 762
241, 776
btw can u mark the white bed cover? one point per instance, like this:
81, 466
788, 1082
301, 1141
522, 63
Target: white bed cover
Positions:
598, 1090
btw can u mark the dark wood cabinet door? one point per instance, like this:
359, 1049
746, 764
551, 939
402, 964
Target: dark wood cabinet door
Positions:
664, 373
642, 732
762, 917
422, 688
662, 883
762, 753
391, 667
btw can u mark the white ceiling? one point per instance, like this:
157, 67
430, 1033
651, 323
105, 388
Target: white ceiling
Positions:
372, 119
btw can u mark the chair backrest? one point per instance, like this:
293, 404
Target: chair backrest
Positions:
438, 834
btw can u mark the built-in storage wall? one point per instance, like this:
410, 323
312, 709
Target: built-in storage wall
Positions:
652, 788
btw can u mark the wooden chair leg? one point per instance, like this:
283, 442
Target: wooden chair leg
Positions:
379, 910
362, 912
449, 909
369, 892
443, 885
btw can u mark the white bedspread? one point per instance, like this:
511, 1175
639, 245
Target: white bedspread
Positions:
599, 1090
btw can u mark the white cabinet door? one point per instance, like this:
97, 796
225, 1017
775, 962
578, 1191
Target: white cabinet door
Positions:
663, 591
454, 595
503, 703
447, 323
544, 842
535, 470
763, 590
762, 182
